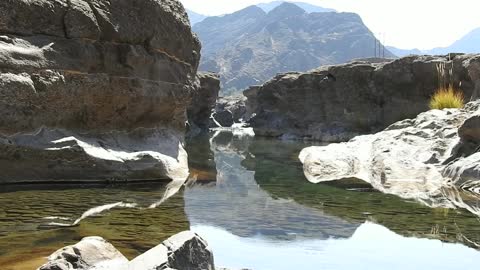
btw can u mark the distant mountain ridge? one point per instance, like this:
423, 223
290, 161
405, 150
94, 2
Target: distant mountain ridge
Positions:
470, 43
267, 7
250, 46
195, 17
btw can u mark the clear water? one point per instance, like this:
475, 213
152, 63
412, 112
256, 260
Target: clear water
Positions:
253, 205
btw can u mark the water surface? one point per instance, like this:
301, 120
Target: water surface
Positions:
250, 200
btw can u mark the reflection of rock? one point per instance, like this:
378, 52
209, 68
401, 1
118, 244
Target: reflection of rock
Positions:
183, 251
203, 102
237, 204
121, 226
354, 200
336, 103
415, 158
94, 67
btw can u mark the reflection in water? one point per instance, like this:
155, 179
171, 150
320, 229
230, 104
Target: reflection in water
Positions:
249, 198
262, 204
371, 247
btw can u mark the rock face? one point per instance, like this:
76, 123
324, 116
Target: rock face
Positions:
415, 158
250, 46
183, 251
83, 83
203, 103
336, 103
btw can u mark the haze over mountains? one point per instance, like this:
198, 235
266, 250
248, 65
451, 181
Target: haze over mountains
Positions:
470, 43
250, 46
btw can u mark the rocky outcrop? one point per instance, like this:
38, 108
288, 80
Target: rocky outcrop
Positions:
421, 158
183, 251
250, 46
203, 103
336, 103
94, 89
234, 104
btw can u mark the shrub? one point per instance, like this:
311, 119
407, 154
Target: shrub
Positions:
447, 98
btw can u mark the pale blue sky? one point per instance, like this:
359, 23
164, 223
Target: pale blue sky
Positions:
407, 24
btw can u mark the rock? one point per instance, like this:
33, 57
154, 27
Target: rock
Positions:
183, 251
336, 103
414, 158
250, 46
189, 252
234, 104
105, 75
203, 103
470, 130
89, 253
223, 118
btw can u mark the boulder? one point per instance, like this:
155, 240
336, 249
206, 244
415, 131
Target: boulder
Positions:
223, 118
415, 158
183, 251
94, 89
336, 103
203, 103
234, 104
91, 252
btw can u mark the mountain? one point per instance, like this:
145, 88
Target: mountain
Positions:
403, 52
195, 17
250, 46
267, 7
470, 43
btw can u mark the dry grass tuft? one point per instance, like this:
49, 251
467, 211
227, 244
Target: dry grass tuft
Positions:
446, 97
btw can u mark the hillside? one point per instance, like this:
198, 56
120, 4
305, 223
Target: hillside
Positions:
250, 46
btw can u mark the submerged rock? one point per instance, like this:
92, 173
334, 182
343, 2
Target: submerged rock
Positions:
183, 251
414, 158
84, 83
336, 103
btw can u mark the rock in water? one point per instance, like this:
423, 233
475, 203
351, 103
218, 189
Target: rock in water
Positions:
336, 103
414, 158
203, 103
183, 251
94, 89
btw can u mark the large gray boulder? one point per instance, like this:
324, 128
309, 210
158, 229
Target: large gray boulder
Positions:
183, 251
336, 103
95, 86
422, 158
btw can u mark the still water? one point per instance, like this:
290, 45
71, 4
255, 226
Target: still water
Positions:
249, 199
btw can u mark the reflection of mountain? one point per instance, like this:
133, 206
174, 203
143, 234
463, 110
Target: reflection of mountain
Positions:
237, 204
283, 178
371, 247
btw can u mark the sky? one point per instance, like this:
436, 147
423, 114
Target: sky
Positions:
405, 24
